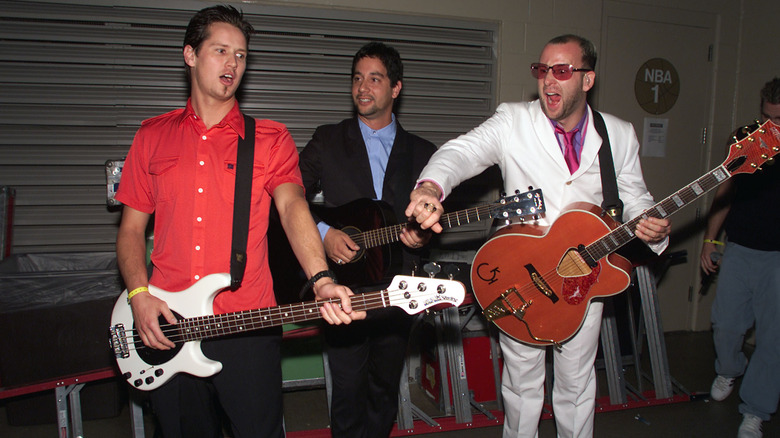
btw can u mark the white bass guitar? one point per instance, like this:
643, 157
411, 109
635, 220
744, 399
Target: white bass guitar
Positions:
147, 368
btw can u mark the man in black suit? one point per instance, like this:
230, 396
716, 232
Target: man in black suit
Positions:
367, 156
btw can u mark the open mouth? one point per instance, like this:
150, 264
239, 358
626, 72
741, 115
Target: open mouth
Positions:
553, 99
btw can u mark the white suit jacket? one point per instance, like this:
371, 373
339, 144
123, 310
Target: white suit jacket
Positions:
521, 140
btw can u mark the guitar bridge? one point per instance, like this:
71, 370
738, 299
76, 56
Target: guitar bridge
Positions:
119, 341
540, 283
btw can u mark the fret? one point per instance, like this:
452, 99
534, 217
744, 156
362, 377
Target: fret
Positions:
184, 329
720, 174
387, 235
625, 233
205, 327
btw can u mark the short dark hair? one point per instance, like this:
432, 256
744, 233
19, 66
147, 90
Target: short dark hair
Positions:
771, 92
588, 49
389, 57
198, 28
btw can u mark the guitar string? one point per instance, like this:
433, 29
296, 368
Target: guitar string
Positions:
392, 233
370, 302
262, 316
621, 235
528, 291
612, 241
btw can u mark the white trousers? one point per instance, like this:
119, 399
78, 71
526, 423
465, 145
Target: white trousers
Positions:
574, 388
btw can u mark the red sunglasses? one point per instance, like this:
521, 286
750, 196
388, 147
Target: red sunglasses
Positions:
562, 72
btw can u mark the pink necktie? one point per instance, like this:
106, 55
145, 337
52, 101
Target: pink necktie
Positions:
569, 153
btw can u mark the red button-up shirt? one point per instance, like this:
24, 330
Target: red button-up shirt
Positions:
185, 175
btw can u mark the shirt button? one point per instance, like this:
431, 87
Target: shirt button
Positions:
199, 219
202, 163
197, 277
197, 247
204, 137
200, 190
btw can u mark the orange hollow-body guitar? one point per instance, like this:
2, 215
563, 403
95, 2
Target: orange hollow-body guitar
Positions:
535, 283
540, 274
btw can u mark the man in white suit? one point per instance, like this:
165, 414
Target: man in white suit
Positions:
549, 143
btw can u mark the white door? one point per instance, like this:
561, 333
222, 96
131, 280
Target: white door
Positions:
668, 52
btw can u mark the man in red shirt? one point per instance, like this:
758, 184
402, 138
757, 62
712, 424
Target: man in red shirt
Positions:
181, 168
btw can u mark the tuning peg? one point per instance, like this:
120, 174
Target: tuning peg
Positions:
432, 268
517, 191
415, 267
451, 270
507, 221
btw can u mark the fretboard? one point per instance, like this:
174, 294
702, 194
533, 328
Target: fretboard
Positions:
206, 327
387, 235
625, 233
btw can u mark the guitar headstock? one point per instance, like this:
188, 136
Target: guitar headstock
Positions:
523, 205
415, 294
758, 145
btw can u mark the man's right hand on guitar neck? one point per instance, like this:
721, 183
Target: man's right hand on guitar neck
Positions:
146, 312
425, 206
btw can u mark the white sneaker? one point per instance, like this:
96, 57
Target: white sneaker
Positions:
750, 427
721, 388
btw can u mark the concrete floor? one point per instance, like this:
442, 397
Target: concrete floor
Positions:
690, 363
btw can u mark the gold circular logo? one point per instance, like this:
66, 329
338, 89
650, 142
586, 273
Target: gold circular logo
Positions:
657, 86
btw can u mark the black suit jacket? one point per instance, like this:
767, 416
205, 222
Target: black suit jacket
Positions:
336, 161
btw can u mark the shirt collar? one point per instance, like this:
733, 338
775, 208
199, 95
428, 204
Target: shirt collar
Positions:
579, 126
388, 132
234, 118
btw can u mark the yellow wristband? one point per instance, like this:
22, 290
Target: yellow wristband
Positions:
135, 292
714, 242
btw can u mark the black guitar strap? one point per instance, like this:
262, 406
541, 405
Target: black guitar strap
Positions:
245, 158
612, 204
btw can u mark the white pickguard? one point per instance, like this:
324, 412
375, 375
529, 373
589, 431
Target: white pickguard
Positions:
193, 302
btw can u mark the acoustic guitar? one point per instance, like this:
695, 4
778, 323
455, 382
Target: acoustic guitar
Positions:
372, 225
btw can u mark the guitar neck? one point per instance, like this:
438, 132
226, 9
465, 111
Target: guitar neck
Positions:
625, 233
387, 235
212, 326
